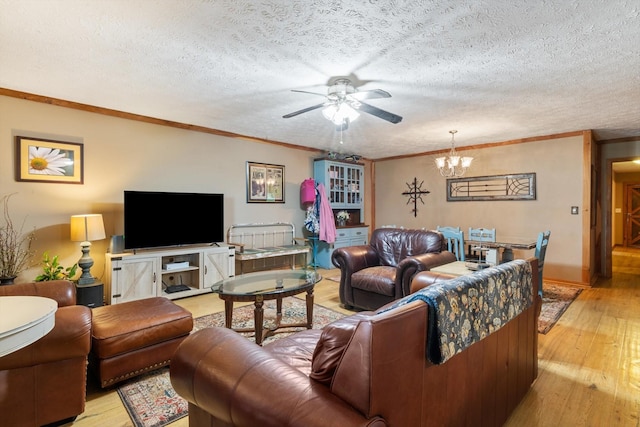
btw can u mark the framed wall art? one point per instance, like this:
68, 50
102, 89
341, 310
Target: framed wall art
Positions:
45, 160
520, 186
265, 183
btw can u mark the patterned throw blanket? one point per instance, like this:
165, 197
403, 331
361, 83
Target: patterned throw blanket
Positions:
466, 309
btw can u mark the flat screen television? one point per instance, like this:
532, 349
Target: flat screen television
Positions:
155, 219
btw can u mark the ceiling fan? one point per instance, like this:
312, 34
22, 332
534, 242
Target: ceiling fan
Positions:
343, 104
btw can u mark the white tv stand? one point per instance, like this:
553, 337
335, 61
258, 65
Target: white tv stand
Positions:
142, 274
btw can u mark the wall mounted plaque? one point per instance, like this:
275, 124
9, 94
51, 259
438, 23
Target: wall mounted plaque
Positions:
495, 187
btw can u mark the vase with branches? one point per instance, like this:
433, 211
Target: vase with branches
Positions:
15, 245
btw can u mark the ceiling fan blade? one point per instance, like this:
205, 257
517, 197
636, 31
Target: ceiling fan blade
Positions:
370, 94
304, 110
384, 115
305, 91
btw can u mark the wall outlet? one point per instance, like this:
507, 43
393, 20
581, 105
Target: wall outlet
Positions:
574, 210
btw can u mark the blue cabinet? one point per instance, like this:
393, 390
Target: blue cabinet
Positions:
344, 186
343, 183
349, 236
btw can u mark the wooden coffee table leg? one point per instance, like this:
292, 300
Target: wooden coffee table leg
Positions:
258, 318
228, 313
278, 312
310, 308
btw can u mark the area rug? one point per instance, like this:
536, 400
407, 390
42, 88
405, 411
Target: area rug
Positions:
151, 401
555, 301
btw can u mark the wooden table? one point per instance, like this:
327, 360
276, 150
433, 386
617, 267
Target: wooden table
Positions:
24, 320
507, 245
263, 286
456, 268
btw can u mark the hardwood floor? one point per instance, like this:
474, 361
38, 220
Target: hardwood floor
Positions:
589, 363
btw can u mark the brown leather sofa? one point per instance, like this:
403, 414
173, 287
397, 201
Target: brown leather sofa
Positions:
45, 382
368, 369
375, 274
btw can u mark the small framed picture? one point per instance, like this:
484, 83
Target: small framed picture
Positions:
45, 160
265, 183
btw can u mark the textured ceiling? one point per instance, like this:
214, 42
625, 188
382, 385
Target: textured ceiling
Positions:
494, 70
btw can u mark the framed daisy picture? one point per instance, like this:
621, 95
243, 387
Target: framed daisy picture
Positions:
45, 160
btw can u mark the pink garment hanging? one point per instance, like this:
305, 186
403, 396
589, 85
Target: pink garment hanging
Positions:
308, 191
327, 223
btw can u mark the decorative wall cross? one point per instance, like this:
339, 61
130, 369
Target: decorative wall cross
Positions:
415, 193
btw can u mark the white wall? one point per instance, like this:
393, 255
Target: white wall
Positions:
558, 167
122, 154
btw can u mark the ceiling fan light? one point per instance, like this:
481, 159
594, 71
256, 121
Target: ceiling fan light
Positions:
349, 113
330, 111
338, 113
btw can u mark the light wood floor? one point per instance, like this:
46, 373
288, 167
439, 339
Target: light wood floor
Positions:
589, 363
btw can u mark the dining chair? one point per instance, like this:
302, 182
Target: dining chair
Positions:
540, 252
455, 240
479, 235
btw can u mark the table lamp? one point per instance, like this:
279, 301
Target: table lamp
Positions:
85, 229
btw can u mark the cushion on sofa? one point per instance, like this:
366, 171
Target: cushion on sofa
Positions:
334, 339
296, 350
380, 279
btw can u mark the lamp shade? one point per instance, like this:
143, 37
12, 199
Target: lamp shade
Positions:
87, 228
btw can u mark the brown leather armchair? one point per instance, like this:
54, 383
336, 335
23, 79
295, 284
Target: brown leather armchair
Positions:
45, 382
375, 274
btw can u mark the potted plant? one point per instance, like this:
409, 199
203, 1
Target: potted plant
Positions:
52, 270
15, 246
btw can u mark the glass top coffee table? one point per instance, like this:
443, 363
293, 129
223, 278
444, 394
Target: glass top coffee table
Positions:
264, 286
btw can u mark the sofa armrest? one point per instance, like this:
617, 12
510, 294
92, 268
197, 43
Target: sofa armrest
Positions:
239, 383
427, 278
69, 338
413, 265
349, 260
63, 291
380, 370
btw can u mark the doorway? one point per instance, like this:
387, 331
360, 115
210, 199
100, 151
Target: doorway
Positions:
631, 216
611, 157
625, 224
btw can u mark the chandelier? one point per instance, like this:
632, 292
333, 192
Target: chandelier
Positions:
453, 164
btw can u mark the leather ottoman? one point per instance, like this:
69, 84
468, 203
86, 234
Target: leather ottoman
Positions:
134, 337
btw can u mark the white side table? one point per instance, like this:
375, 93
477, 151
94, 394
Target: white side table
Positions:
24, 320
